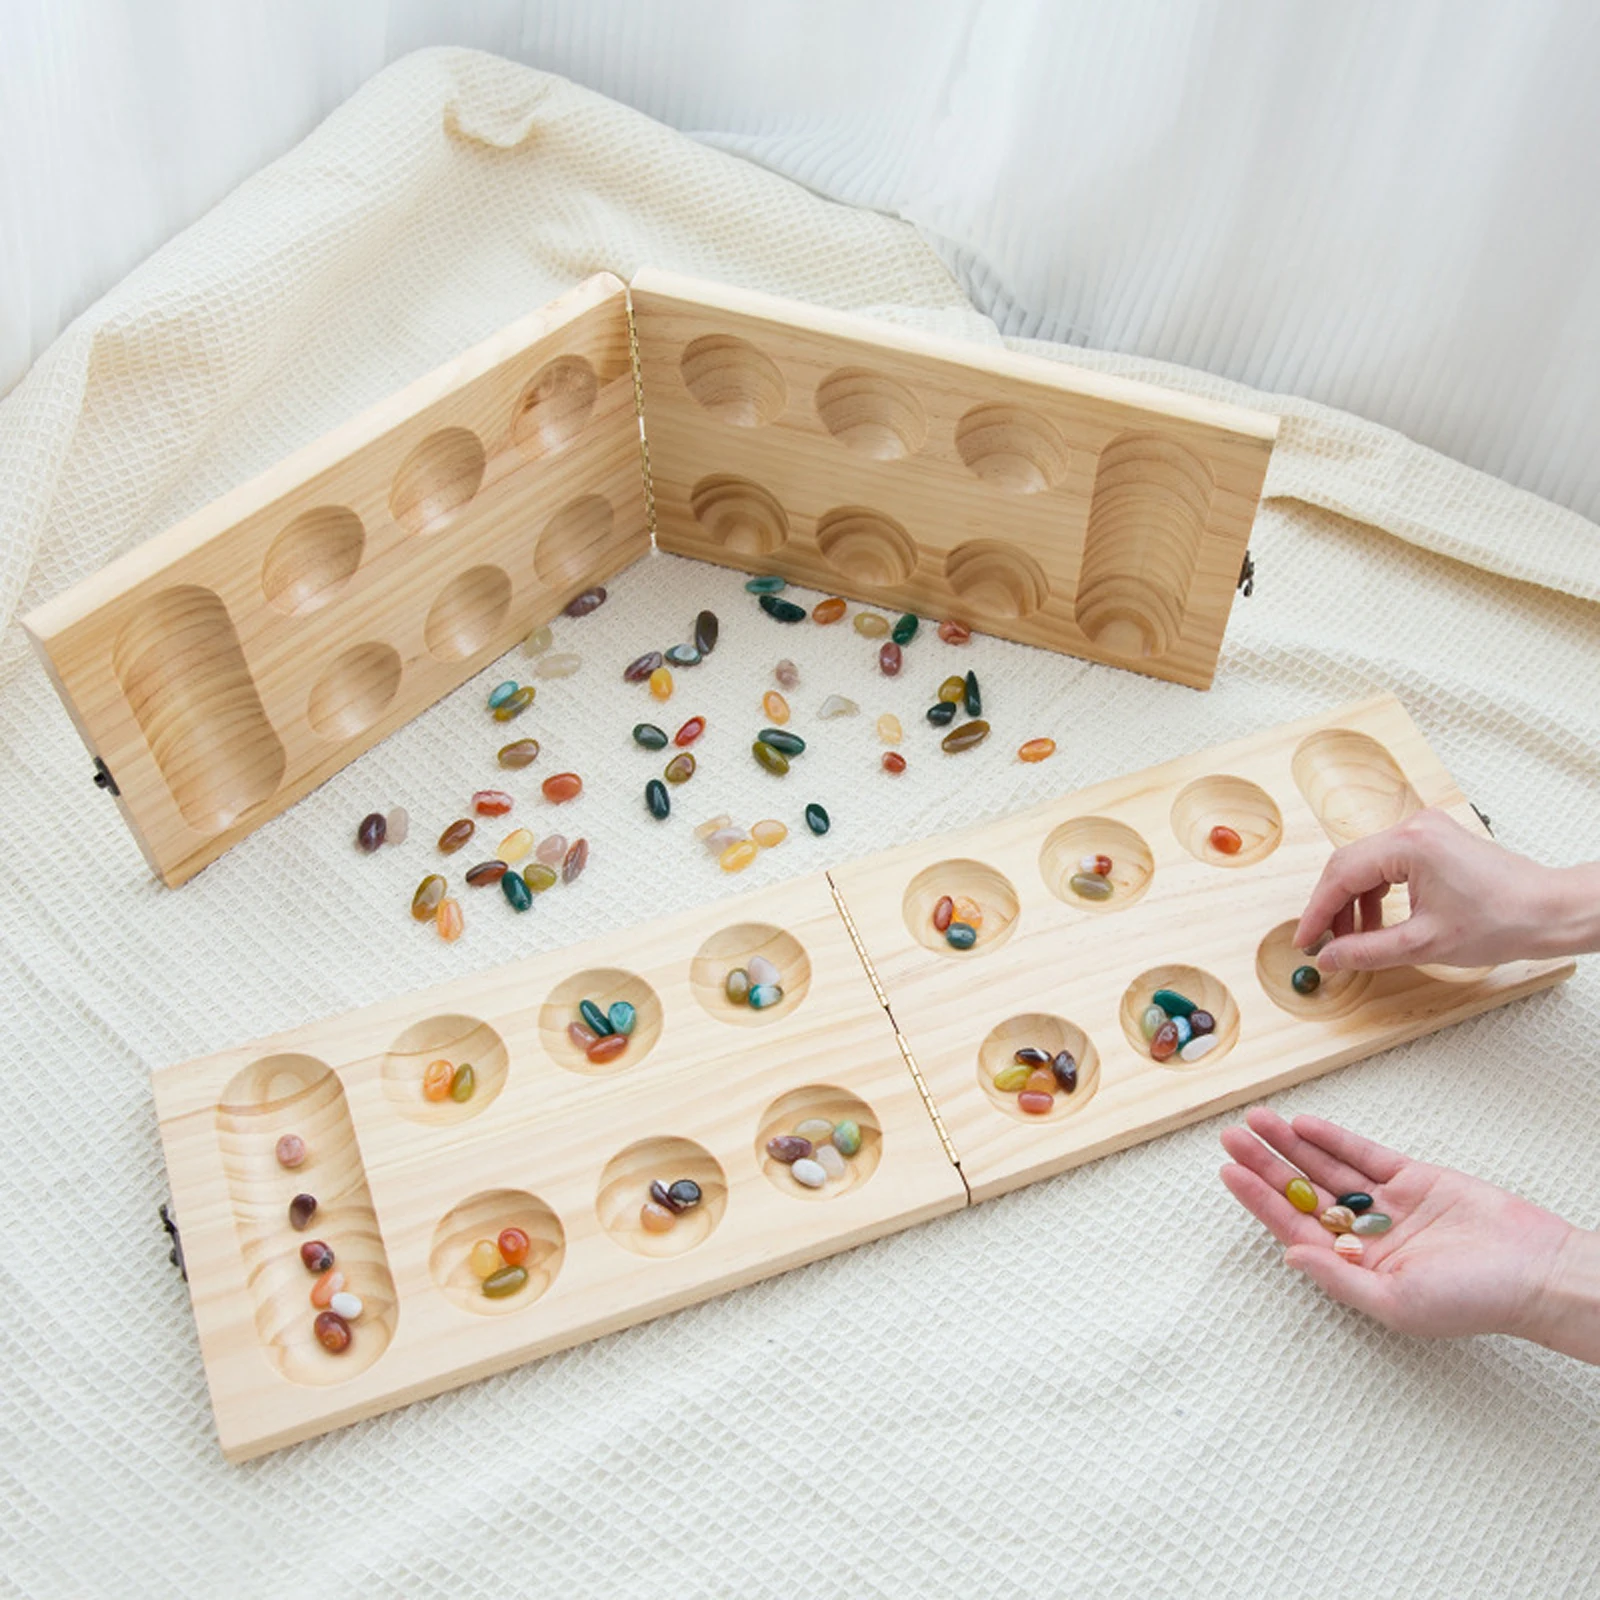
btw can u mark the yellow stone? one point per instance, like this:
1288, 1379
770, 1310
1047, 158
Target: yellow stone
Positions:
889, 729
769, 832
739, 856
515, 845
1301, 1195
710, 826
485, 1259
870, 625
952, 690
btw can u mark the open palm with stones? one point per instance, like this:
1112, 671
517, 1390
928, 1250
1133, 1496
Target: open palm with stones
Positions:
1463, 1257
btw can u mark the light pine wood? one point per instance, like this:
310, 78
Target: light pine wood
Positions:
1082, 513
1052, 969
548, 1143
229, 665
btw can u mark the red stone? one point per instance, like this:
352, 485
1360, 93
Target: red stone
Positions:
1225, 841
333, 1332
690, 731
491, 802
514, 1245
953, 632
893, 761
561, 787
607, 1049
944, 913
889, 659
1165, 1043
1035, 1102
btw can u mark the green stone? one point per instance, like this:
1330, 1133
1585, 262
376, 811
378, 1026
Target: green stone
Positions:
1370, 1222
771, 584
1010, 1078
462, 1082
846, 1137
775, 761
791, 744
782, 610
817, 819
763, 995
737, 986
622, 1017
974, 700
506, 1281
684, 655
1090, 886
649, 736
516, 891
961, 936
1306, 980
594, 1019
537, 877
1356, 1201
905, 630
657, 801
1152, 1018
1173, 1003
943, 714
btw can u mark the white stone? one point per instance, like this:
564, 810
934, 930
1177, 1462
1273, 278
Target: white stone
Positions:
1197, 1047
761, 970
830, 1161
811, 1173
346, 1305
837, 706
561, 666
719, 841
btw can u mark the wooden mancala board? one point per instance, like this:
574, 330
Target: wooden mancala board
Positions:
881, 1022
230, 664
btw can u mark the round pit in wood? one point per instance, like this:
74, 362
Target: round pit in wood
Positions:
355, 691
1012, 448
483, 1216
625, 1187
555, 407
973, 880
1046, 1032
314, 557
1208, 993
1276, 961
1352, 783
605, 986
460, 1040
436, 480
739, 515
733, 947
571, 544
994, 580
733, 380
1227, 802
871, 414
866, 546
464, 617
785, 1115
1132, 865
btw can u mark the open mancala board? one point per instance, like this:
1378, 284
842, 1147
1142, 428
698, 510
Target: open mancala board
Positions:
224, 668
881, 1023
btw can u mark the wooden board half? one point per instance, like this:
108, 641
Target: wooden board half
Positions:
229, 665
548, 1143
1083, 513
1061, 972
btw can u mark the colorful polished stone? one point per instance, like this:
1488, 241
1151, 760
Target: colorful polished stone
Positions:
1185, 1031
968, 735
944, 912
905, 630
436, 1080
847, 1136
738, 856
1151, 1018
828, 1158
516, 704
791, 744
1338, 1219
656, 800
762, 970
656, 1219
326, 1287
502, 692
1198, 1049
960, 936
640, 668
889, 729
766, 583
810, 1172
683, 655
768, 832
893, 762
890, 659
485, 873
371, 831
952, 689
301, 1210
870, 625
492, 802
710, 825
770, 757
561, 787
788, 1148
775, 707
622, 1016
581, 1036
607, 1049
782, 610
680, 769
516, 845
504, 1282
552, 849
1301, 1195
942, 714
1305, 980
316, 1256
1064, 1069
1356, 1200
519, 753
539, 876
594, 1018
706, 630
1348, 1248
1224, 840
1040, 1081
484, 1258
719, 841
1098, 864
661, 683
1090, 886
953, 632
787, 674
450, 921
538, 641
332, 1332
684, 1193
1031, 1056
971, 699
1201, 1022
347, 1305
826, 612
1164, 1042
515, 888
1173, 1003
290, 1151
1036, 1102
689, 732
662, 1195
463, 1083
581, 605
816, 1129
968, 910
817, 818
736, 986
765, 995
1371, 1223
837, 705
1036, 750
1009, 1079
559, 666
649, 737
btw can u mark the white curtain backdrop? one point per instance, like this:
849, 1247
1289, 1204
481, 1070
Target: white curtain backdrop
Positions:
1388, 208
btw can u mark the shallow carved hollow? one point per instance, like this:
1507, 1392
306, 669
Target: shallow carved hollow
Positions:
788, 1111
1208, 993
460, 1040
625, 1186
1352, 783
185, 678
990, 889
1043, 1031
739, 515
468, 610
733, 380
866, 546
355, 691
437, 479
871, 413
733, 947
312, 559
556, 406
1066, 847
573, 544
993, 580
1221, 800
299, 1094
1012, 448
484, 1216
1152, 499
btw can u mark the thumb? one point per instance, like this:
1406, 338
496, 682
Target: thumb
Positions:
1350, 1284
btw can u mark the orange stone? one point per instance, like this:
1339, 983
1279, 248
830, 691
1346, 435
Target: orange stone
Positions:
968, 911
826, 611
607, 1049
326, 1287
1225, 841
775, 707
655, 1219
449, 920
436, 1080
563, 786
513, 1244
1037, 750
1040, 1081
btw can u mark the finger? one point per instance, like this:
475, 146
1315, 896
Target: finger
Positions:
1403, 945
1250, 1153
1344, 921
1352, 870
1267, 1205
1371, 904
1377, 1161
1319, 1165
1348, 1282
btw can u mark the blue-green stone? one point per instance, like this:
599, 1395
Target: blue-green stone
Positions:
763, 995
846, 1137
1371, 1222
1173, 1003
943, 714
905, 630
684, 655
657, 799
1306, 980
782, 610
974, 701
770, 584
817, 819
1357, 1201
516, 891
622, 1017
594, 1019
961, 935
1185, 1032
649, 737
502, 692
791, 744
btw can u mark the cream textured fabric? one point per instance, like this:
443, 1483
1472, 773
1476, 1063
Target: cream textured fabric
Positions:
1102, 1385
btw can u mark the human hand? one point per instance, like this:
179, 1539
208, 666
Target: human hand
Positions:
1462, 1256
1473, 902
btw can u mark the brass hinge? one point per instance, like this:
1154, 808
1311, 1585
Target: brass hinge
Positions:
638, 406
